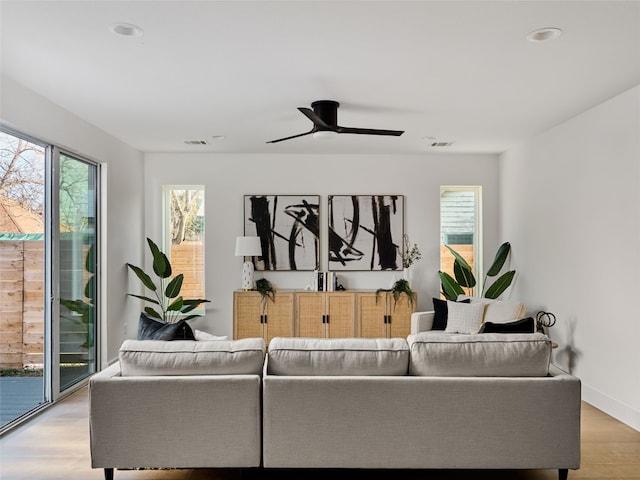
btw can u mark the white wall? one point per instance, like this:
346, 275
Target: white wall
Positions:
570, 204
227, 178
31, 114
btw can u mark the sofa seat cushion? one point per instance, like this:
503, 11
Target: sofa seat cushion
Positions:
338, 356
185, 357
479, 355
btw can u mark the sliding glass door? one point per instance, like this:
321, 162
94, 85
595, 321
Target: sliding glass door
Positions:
22, 276
48, 274
77, 268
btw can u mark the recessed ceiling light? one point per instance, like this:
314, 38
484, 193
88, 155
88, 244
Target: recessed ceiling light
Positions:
218, 137
544, 34
126, 29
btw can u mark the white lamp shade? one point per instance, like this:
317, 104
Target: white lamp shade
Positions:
248, 247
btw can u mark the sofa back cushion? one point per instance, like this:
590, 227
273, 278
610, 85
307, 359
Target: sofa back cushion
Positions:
187, 357
338, 356
479, 355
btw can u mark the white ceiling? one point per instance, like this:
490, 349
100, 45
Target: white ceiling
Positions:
452, 71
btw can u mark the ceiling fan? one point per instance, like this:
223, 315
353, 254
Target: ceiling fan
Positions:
324, 115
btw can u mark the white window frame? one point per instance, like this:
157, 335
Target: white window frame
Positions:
477, 234
166, 232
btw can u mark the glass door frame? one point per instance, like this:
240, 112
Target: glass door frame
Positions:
52, 307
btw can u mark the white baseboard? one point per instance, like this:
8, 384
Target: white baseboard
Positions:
612, 407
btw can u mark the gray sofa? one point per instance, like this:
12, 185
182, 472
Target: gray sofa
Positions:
179, 404
431, 401
391, 403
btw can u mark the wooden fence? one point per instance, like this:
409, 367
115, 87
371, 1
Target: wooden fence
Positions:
21, 303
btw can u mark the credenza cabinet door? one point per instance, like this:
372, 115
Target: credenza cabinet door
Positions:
310, 315
399, 312
253, 318
381, 316
279, 320
372, 309
325, 314
341, 311
247, 312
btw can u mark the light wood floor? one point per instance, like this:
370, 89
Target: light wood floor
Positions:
55, 445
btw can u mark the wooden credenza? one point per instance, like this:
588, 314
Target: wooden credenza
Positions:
339, 314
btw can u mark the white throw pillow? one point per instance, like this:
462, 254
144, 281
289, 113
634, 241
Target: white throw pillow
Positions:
499, 311
204, 336
464, 317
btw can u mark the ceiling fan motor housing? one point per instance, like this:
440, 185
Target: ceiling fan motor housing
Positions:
327, 110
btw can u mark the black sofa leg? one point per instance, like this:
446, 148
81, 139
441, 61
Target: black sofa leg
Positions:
563, 473
253, 473
108, 474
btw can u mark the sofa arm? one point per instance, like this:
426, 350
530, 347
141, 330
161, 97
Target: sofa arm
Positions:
421, 321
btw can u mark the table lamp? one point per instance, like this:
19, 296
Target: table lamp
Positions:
248, 247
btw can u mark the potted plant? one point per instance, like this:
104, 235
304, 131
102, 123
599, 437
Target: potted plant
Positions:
169, 306
464, 278
410, 253
266, 290
399, 287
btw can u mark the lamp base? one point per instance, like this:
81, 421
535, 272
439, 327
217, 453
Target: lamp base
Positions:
247, 276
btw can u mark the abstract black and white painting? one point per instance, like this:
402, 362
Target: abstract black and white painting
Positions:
365, 232
288, 227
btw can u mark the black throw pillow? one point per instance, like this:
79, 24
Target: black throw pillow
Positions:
524, 325
150, 328
442, 313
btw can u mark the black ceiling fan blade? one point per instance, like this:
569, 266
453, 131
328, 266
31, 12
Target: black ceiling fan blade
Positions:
313, 116
369, 131
292, 136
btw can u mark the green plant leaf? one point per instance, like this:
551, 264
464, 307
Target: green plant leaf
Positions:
146, 299
144, 278
459, 258
173, 289
89, 261
189, 317
191, 304
152, 313
463, 275
161, 264
187, 308
265, 288
379, 291
501, 256
500, 285
195, 301
176, 305
450, 287
90, 288
77, 306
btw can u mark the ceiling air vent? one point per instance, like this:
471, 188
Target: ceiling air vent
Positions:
441, 144
196, 142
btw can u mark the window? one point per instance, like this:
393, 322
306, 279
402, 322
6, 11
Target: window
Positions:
460, 220
183, 236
